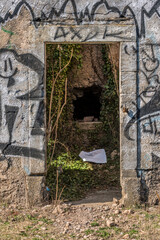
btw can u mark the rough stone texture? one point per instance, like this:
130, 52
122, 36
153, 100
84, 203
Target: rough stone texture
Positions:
91, 72
131, 190
27, 25
17, 188
12, 183
35, 187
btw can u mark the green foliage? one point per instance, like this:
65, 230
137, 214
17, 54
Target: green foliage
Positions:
103, 233
59, 61
57, 58
94, 224
68, 162
132, 232
73, 173
110, 100
77, 176
89, 231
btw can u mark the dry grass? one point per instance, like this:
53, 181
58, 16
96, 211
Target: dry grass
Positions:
38, 224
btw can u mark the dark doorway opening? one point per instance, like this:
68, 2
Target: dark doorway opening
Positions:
87, 103
82, 107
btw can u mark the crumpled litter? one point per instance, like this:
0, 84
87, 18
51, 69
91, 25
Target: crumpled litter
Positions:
97, 156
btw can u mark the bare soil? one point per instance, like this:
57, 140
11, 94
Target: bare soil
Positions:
95, 217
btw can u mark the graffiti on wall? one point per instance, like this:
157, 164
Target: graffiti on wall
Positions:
21, 104
16, 94
150, 96
88, 14
147, 116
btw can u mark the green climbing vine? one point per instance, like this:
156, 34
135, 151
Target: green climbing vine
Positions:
64, 138
110, 97
59, 62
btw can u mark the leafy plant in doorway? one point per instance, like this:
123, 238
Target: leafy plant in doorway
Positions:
68, 177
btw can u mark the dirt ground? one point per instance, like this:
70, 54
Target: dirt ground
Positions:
95, 217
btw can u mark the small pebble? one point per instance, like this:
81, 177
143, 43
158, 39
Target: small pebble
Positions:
110, 223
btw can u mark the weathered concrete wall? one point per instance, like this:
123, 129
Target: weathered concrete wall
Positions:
26, 26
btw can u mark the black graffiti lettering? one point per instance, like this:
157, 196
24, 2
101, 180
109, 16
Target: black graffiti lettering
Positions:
124, 13
150, 65
56, 13
90, 36
16, 12
156, 130
154, 143
149, 108
126, 50
150, 125
135, 104
108, 7
10, 112
80, 17
60, 32
152, 91
83, 15
11, 82
21, 151
39, 121
134, 51
149, 15
5, 65
149, 92
140, 96
10, 64
152, 59
106, 34
76, 33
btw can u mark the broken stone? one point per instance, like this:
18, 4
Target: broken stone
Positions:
65, 231
114, 205
117, 211
127, 212
68, 224
43, 228
126, 236
111, 218
106, 208
78, 227
88, 119
110, 223
121, 205
57, 210
116, 221
115, 200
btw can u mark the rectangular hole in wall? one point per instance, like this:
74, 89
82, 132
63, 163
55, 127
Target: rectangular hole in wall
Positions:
82, 106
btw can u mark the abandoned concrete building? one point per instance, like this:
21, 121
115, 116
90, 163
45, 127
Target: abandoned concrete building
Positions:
26, 27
